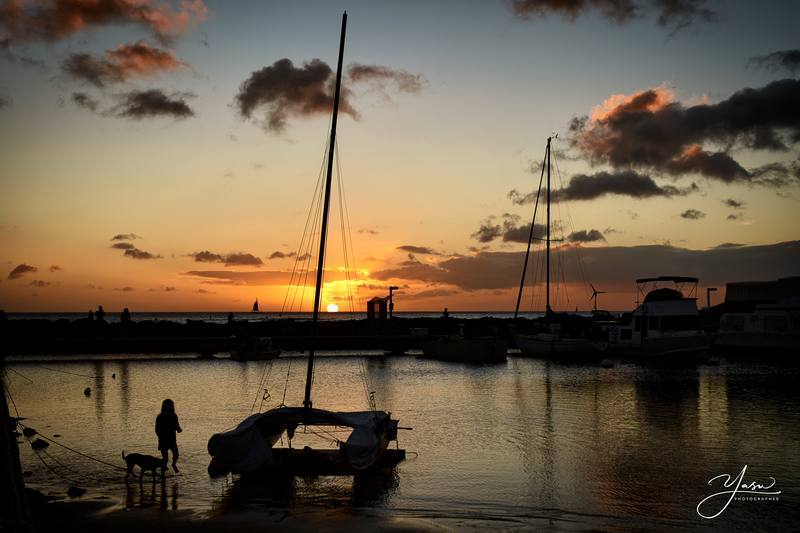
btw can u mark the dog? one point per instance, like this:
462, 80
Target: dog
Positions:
145, 463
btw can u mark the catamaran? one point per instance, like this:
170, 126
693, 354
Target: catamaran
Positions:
250, 448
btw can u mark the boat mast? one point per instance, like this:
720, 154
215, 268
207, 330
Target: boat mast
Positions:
547, 307
324, 227
530, 239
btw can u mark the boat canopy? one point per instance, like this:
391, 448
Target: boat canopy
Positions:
663, 295
248, 447
676, 279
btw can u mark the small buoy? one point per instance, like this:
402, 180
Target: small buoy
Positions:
114, 376
56, 435
87, 391
39, 444
28, 432
74, 492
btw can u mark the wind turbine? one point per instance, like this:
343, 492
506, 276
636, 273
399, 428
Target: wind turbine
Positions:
595, 292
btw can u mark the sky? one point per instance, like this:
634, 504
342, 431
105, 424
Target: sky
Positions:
163, 156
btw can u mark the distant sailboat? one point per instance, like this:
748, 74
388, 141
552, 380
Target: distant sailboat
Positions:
249, 448
255, 306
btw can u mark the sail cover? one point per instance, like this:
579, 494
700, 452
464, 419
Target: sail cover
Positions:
248, 447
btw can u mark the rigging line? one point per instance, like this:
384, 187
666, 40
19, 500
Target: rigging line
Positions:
308, 217
352, 248
584, 278
530, 238
261, 383
74, 450
344, 224
301, 258
70, 373
307, 256
286, 384
20, 374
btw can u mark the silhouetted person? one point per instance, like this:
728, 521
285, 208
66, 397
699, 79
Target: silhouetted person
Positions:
445, 314
126, 316
166, 428
100, 315
230, 318
90, 316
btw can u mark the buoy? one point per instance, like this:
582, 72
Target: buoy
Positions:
39, 444
74, 492
87, 391
114, 376
28, 432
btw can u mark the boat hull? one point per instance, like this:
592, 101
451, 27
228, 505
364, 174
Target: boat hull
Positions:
663, 348
475, 351
548, 347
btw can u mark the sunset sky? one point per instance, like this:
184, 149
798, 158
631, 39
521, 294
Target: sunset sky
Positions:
156, 155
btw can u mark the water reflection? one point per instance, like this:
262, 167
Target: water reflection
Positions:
147, 494
364, 490
590, 446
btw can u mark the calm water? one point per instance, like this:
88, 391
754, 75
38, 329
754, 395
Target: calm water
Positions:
528, 444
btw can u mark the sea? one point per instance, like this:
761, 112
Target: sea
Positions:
523, 445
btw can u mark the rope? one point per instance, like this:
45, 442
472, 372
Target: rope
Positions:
20, 374
70, 373
51, 441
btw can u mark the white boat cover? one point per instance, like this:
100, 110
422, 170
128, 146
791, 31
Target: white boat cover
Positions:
248, 447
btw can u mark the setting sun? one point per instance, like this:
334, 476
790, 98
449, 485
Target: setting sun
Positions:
333, 308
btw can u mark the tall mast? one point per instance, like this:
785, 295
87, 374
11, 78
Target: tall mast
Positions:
530, 239
324, 227
547, 308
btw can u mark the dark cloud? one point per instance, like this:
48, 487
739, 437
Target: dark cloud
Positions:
152, 103
269, 277
368, 231
125, 237
120, 64
510, 229
55, 268
39, 283
422, 250
430, 293
734, 204
623, 183
609, 264
619, 11
693, 214
123, 246
728, 245
54, 20
232, 259
736, 216
281, 255
20, 270
124, 289
136, 253
676, 14
85, 101
649, 130
583, 235
9, 55
164, 289
378, 76
283, 91
679, 14
788, 60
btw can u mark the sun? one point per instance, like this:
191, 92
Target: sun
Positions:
333, 308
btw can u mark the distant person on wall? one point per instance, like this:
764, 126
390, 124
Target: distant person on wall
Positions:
126, 316
445, 314
166, 428
100, 315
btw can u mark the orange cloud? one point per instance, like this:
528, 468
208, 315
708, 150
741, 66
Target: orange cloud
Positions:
650, 100
53, 20
121, 64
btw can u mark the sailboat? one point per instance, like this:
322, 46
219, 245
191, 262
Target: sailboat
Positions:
552, 342
255, 306
250, 447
